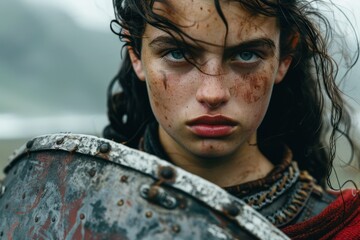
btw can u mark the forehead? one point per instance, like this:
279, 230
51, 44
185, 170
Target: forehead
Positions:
201, 20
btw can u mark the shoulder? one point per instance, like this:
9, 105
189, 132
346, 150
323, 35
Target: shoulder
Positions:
318, 200
338, 220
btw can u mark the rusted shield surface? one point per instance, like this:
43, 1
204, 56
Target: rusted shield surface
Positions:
69, 186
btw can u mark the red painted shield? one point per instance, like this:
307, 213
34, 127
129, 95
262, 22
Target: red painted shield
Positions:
69, 186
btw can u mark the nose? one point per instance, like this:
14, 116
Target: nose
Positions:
213, 92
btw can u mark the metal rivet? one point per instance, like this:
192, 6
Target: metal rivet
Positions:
167, 172
170, 203
92, 172
59, 141
105, 148
29, 144
124, 178
144, 191
82, 216
159, 196
120, 202
148, 214
176, 228
36, 219
232, 210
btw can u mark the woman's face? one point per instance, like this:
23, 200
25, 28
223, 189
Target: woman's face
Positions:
213, 109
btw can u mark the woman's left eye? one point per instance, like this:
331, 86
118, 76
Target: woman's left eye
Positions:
175, 55
246, 57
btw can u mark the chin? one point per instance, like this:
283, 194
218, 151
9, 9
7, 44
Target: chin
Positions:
212, 150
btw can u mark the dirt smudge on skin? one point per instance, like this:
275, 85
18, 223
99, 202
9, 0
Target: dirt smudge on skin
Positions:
164, 79
256, 88
157, 104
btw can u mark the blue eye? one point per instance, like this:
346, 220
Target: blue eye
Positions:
246, 57
176, 55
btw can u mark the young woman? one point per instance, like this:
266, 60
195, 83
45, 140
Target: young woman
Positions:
234, 92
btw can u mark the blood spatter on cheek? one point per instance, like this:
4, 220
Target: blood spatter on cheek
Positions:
155, 95
255, 88
157, 104
161, 98
164, 79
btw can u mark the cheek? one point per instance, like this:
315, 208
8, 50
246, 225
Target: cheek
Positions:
254, 94
252, 88
257, 89
162, 97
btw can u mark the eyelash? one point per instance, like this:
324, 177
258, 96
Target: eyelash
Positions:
253, 54
247, 63
244, 63
168, 52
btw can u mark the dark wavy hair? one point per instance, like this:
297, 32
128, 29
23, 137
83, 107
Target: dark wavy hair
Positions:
295, 116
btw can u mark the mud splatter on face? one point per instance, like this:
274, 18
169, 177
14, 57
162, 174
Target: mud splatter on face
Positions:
156, 103
164, 79
256, 87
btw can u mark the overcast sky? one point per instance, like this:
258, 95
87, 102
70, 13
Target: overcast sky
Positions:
98, 13
89, 13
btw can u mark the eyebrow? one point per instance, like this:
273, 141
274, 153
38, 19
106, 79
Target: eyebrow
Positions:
253, 43
160, 41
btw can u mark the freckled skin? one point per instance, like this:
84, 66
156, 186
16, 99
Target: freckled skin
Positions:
181, 92
256, 89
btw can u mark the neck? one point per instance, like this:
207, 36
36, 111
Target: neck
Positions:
247, 164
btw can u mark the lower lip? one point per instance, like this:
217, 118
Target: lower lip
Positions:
212, 131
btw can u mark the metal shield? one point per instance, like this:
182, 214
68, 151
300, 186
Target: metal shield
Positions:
68, 186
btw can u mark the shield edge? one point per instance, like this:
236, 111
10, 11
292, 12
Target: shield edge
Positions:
205, 191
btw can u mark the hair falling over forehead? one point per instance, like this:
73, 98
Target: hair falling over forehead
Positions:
296, 114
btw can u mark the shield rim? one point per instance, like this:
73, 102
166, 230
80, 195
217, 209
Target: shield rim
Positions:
210, 194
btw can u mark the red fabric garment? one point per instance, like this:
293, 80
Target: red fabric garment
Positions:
340, 220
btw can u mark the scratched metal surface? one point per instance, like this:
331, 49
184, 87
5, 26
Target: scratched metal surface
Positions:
69, 186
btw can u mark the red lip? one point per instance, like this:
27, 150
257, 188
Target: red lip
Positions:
212, 120
212, 126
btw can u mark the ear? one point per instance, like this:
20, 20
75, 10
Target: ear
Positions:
136, 64
283, 68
